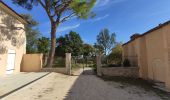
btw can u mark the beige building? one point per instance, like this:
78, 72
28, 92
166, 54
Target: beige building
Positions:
12, 40
151, 53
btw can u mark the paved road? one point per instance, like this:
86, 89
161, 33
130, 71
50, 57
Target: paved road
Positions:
83, 87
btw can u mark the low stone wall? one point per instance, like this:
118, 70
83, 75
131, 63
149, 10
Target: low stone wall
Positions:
121, 71
58, 70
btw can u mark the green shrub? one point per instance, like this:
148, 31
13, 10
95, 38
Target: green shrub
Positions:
94, 68
126, 63
59, 62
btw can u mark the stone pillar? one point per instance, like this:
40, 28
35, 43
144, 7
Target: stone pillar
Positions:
99, 65
68, 63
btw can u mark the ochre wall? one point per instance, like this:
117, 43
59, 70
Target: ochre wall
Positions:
14, 39
130, 53
31, 63
143, 63
125, 52
153, 54
166, 31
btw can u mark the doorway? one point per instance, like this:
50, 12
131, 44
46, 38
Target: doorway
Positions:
10, 61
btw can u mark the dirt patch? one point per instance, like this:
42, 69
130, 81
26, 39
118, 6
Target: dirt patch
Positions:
136, 86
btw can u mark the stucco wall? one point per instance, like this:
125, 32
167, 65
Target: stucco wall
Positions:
166, 31
11, 38
155, 55
125, 51
65, 70
130, 53
31, 63
153, 51
143, 64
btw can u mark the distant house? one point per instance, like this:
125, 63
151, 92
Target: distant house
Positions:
151, 53
12, 40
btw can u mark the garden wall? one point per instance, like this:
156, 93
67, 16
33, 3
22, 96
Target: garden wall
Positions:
64, 69
121, 71
31, 63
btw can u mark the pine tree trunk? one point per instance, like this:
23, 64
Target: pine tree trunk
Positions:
53, 45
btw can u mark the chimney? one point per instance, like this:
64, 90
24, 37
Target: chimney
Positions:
134, 36
160, 24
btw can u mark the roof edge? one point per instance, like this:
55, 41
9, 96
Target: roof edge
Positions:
151, 30
25, 22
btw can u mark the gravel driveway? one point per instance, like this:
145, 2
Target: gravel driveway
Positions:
84, 87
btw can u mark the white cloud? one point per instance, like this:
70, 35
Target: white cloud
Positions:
65, 28
45, 27
117, 1
100, 3
101, 18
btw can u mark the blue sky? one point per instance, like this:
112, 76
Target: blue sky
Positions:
124, 17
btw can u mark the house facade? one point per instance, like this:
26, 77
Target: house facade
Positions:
12, 40
151, 53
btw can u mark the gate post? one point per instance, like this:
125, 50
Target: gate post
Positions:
68, 63
98, 58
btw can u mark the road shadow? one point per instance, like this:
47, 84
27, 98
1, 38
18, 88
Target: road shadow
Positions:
87, 87
82, 71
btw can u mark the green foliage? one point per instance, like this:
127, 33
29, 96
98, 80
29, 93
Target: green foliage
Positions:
106, 40
70, 43
82, 8
88, 50
30, 20
98, 49
58, 12
59, 62
74, 43
94, 68
58, 8
115, 57
126, 63
43, 45
32, 33
61, 47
